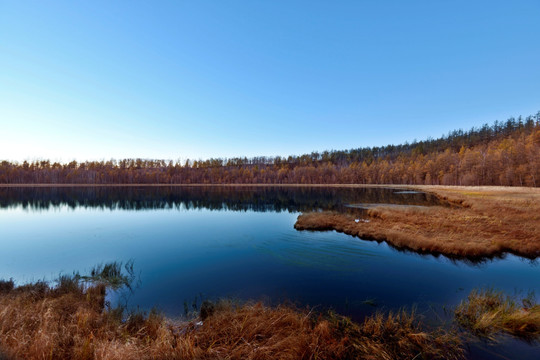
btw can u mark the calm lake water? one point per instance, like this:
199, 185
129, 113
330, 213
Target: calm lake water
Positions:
190, 243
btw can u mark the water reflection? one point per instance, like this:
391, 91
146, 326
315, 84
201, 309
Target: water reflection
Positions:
260, 199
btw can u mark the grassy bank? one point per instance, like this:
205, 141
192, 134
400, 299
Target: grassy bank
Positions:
71, 320
484, 222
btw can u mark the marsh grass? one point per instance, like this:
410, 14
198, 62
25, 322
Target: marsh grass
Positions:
487, 313
396, 335
483, 223
69, 320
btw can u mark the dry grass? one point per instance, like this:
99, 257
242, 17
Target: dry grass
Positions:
488, 312
396, 336
69, 321
485, 222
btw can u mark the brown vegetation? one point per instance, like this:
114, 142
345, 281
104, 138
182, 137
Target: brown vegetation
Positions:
69, 321
488, 312
484, 222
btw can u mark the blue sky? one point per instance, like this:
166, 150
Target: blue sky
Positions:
198, 79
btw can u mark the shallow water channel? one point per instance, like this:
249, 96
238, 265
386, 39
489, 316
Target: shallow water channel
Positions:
193, 243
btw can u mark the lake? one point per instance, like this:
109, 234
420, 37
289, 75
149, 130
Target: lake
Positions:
193, 243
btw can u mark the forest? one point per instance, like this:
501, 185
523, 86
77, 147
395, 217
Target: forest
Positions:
505, 153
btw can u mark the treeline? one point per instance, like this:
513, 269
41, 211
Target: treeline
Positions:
504, 153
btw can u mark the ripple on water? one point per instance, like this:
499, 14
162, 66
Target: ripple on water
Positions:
326, 251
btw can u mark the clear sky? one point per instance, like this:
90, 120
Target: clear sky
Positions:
198, 79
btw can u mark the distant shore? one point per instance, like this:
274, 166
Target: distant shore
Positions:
426, 188
209, 185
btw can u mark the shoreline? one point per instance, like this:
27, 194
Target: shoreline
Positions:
210, 185
69, 319
425, 188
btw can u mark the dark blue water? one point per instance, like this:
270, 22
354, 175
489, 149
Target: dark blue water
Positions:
193, 243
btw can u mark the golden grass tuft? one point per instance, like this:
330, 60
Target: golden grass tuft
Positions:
488, 312
485, 222
397, 336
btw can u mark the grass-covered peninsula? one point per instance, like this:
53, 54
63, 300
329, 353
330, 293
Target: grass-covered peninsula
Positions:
479, 222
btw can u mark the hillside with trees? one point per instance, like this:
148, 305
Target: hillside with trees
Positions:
504, 153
